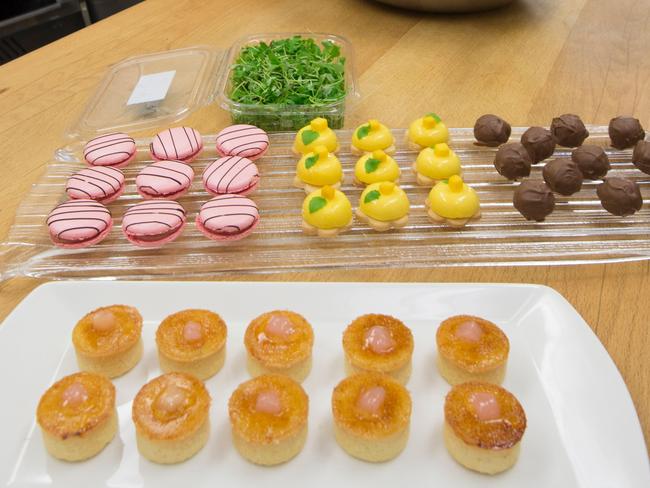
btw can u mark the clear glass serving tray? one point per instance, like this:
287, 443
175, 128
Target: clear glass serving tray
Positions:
579, 230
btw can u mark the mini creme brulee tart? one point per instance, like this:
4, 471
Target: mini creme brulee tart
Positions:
108, 340
372, 414
171, 417
192, 341
268, 416
378, 343
471, 349
279, 342
77, 416
484, 424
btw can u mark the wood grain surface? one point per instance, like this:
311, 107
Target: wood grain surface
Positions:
528, 63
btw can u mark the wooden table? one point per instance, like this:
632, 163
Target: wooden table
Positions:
528, 63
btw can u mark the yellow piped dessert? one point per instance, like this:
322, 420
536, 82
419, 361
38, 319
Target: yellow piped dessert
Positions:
427, 131
192, 341
326, 212
435, 164
77, 416
384, 206
279, 342
317, 169
371, 136
484, 425
268, 417
471, 349
171, 417
453, 202
380, 344
108, 340
376, 167
316, 133
372, 415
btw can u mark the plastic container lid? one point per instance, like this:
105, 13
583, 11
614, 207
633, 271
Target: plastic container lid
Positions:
148, 92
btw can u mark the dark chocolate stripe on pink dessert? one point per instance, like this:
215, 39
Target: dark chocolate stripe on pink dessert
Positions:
180, 143
244, 140
113, 148
78, 220
232, 174
153, 217
233, 212
96, 183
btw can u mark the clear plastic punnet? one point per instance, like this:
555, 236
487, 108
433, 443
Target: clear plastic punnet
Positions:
578, 231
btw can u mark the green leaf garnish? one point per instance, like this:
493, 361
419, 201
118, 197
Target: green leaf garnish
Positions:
311, 160
316, 203
363, 131
289, 71
372, 195
372, 164
308, 136
446, 181
435, 116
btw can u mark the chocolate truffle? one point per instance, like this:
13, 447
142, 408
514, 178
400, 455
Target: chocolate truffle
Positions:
534, 200
563, 176
491, 130
539, 142
625, 132
641, 156
592, 161
513, 161
569, 130
620, 196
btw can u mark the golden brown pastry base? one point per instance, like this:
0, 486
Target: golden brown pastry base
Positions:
452, 222
381, 226
487, 461
402, 374
298, 153
359, 152
82, 447
372, 450
270, 454
298, 183
203, 368
113, 365
361, 184
297, 372
315, 231
172, 451
454, 375
424, 180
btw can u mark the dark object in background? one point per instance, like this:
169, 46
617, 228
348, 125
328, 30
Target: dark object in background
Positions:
641, 156
534, 200
539, 142
620, 196
513, 161
26, 25
563, 176
491, 130
592, 161
569, 130
100, 9
625, 132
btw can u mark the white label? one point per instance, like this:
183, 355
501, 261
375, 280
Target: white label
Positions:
151, 88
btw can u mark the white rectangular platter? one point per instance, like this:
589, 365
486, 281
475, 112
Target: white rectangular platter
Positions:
582, 430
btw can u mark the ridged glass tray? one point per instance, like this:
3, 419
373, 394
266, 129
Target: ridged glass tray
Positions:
578, 231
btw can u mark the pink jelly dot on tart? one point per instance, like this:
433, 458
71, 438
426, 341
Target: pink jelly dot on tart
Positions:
279, 326
268, 401
116, 149
379, 340
228, 217
165, 179
243, 140
74, 395
153, 223
79, 223
192, 331
371, 400
178, 143
469, 331
486, 406
103, 321
101, 183
231, 174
